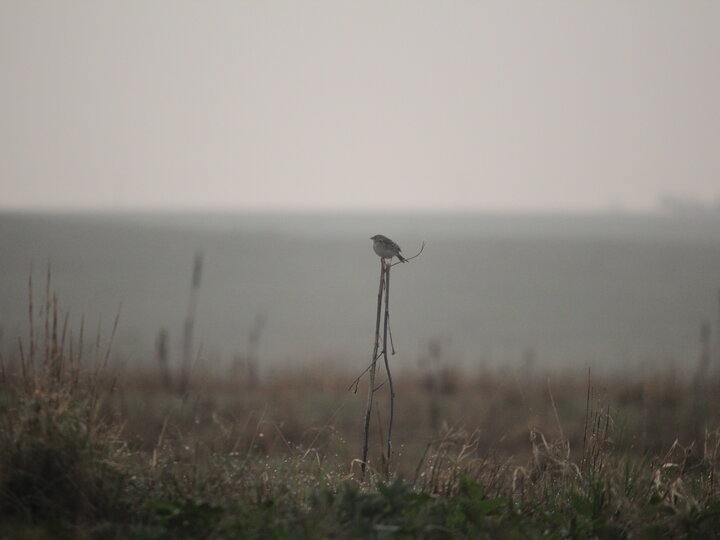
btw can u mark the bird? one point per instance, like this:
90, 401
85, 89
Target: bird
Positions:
386, 248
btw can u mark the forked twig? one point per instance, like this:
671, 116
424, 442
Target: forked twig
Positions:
422, 247
356, 381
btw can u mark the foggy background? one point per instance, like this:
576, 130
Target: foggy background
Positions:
372, 105
560, 159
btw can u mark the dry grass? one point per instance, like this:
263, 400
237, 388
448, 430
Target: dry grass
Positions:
90, 451
312, 408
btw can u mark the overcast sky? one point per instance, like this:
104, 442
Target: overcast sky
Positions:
358, 105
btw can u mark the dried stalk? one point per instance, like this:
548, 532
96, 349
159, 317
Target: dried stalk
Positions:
189, 325
386, 328
373, 365
383, 287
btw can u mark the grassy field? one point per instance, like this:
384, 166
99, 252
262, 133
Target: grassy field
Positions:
92, 450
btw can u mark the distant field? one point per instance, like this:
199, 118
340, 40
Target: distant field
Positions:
607, 291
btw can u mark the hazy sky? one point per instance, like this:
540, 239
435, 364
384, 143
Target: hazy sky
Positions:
358, 105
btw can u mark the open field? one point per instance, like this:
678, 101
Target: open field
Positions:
90, 449
202, 204
607, 291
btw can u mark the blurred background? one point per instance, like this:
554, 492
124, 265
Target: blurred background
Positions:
188, 288
559, 160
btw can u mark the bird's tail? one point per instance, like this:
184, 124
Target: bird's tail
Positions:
402, 259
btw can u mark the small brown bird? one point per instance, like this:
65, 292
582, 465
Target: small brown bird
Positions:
386, 248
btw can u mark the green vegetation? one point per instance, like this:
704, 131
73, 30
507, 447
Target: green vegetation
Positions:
91, 452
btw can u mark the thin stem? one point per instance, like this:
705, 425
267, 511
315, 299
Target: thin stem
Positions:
31, 317
189, 326
373, 364
386, 325
356, 381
